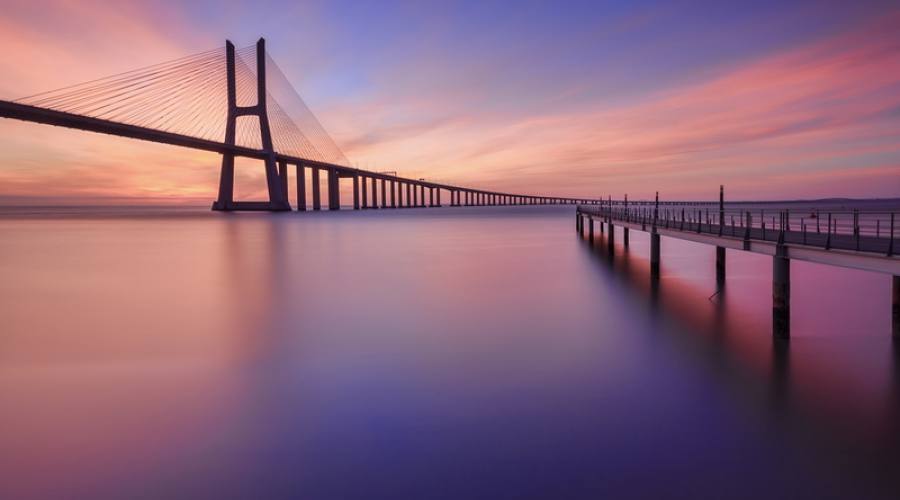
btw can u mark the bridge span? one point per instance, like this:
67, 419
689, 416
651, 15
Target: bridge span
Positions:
201, 102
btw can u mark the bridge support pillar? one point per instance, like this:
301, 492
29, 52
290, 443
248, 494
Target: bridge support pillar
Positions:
356, 192
781, 294
283, 176
276, 172
301, 187
374, 203
334, 190
408, 195
654, 255
625, 237
611, 240
895, 306
384, 203
316, 190
590, 222
393, 194
720, 266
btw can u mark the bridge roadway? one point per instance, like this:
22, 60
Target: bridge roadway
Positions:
854, 250
412, 197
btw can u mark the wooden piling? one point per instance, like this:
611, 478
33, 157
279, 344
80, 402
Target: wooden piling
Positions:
895, 306
781, 294
720, 266
654, 254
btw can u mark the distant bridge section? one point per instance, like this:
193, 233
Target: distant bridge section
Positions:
238, 103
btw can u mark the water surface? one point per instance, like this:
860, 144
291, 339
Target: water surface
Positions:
426, 353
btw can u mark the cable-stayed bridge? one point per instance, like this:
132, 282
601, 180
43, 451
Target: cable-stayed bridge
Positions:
238, 103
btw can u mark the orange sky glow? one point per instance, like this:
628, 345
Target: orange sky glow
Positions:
816, 117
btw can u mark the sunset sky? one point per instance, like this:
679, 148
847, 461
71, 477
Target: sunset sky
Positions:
773, 99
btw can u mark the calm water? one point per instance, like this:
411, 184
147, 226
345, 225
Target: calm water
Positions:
436, 353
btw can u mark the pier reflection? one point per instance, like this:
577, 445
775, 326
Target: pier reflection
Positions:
822, 385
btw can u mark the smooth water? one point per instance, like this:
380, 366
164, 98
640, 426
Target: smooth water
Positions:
426, 353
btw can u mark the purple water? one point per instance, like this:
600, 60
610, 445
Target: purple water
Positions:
426, 353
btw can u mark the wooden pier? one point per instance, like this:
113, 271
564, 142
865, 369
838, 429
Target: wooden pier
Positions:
862, 241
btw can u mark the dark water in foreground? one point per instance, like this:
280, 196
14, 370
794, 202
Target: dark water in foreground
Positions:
438, 353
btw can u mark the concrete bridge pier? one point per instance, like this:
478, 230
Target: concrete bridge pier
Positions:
334, 190
781, 294
590, 222
301, 188
374, 203
365, 195
384, 203
625, 237
283, 177
393, 194
408, 195
316, 190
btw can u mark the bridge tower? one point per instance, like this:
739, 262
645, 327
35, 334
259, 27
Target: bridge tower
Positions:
277, 196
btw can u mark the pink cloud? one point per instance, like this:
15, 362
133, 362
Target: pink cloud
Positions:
834, 100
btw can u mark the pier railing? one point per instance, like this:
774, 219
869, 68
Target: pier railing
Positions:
856, 230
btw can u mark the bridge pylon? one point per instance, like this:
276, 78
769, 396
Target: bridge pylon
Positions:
278, 200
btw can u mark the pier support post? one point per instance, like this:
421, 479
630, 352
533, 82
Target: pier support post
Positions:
625, 237
895, 306
590, 222
301, 187
781, 294
393, 194
654, 255
316, 190
720, 266
611, 238
384, 203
